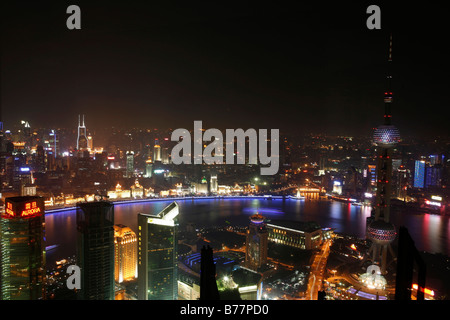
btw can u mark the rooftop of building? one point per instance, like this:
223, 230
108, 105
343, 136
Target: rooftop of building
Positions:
302, 226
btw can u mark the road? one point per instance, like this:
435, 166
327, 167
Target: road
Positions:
317, 271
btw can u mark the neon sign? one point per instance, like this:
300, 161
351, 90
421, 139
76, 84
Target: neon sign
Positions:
9, 210
30, 209
23, 209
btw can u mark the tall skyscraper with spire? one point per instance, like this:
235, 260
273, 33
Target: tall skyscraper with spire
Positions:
82, 141
380, 230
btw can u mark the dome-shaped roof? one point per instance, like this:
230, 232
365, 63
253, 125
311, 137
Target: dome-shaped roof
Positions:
257, 218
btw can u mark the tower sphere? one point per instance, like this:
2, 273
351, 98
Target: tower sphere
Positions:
386, 136
381, 232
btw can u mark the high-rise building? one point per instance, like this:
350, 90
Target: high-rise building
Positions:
157, 151
165, 155
213, 183
148, 168
125, 253
130, 164
380, 231
373, 174
402, 182
82, 142
433, 176
22, 241
157, 254
208, 284
95, 250
419, 174
90, 143
256, 243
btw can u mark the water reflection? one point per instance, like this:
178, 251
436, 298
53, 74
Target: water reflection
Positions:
430, 232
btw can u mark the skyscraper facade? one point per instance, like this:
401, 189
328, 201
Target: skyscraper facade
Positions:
130, 164
256, 243
419, 174
82, 142
95, 250
22, 243
125, 253
157, 254
157, 151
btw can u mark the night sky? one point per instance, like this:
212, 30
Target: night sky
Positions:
300, 68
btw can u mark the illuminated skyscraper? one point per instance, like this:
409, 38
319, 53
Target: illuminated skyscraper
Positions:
402, 182
433, 176
213, 183
95, 250
130, 164
148, 168
157, 151
82, 142
380, 230
419, 174
90, 143
157, 254
256, 243
22, 243
125, 253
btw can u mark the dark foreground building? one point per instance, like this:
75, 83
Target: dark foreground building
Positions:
95, 250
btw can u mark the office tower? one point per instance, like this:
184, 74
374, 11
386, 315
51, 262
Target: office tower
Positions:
95, 250
433, 176
213, 183
22, 241
82, 142
402, 182
53, 143
256, 243
2, 136
130, 164
125, 253
208, 284
90, 143
148, 168
380, 230
157, 254
419, 174
157, 151
165, 153
372, 174
40, 162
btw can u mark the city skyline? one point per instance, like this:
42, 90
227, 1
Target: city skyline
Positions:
314, 67
124, 159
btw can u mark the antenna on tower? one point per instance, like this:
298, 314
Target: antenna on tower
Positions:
390, 48
388, 96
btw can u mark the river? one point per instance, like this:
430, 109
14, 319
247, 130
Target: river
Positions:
430, 232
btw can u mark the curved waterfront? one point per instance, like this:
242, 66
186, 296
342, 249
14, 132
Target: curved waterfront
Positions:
430, 232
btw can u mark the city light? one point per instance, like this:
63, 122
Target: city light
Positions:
291, 180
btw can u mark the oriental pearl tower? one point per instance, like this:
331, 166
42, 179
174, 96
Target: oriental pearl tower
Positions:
379, 230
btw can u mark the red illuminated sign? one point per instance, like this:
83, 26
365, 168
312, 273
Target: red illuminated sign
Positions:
24, 210
30, 209
9, 210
